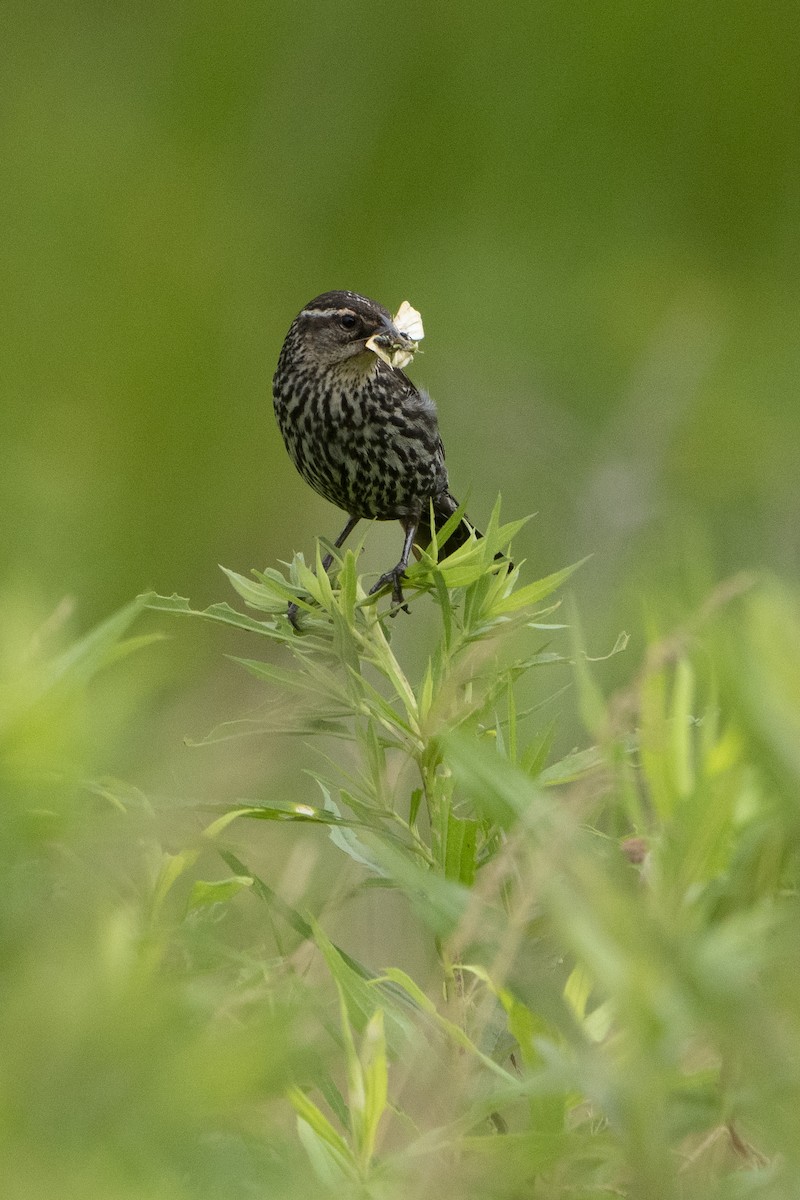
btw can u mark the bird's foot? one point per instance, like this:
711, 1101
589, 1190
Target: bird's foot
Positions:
293, 613
392, 577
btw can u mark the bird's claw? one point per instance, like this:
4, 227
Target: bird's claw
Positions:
392, 577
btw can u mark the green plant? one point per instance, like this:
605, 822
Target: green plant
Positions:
609, 1007
603, 923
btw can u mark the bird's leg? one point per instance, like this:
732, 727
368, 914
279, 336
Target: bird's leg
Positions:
340, 541
293, 609
410, 524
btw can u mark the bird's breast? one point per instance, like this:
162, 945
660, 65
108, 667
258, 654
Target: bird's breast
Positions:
370, 446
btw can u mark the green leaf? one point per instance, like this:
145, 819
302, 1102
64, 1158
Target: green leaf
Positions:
360, 999
682, 723
267, 595
454, 1032
535, 592
348, 587
173, 867
74, 667
327, 1150
592, 705
462, 834
440, 903
575, 765
347, 840
290, 915
222, 613
426, 692
375, 1080
217, 891
315, 681
281, 810
502, 792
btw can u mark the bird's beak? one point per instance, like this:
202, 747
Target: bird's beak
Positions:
394, 346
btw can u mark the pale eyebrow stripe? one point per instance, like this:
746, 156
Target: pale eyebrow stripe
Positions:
326, 312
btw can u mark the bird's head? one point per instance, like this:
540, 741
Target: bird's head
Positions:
334, 329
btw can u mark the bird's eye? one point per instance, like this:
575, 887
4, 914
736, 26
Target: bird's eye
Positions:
347, 321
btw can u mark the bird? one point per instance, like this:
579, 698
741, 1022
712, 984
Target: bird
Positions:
358, 430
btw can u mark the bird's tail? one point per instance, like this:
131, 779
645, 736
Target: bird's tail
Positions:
444, 505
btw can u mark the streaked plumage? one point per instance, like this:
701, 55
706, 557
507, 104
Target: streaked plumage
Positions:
359, 431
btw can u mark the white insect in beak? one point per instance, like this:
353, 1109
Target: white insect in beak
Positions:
408, 323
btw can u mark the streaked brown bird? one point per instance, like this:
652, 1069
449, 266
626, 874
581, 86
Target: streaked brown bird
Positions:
358, 430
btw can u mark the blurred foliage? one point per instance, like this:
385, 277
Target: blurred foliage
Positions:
611, 1008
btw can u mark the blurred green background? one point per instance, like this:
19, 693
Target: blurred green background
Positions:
595, 207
